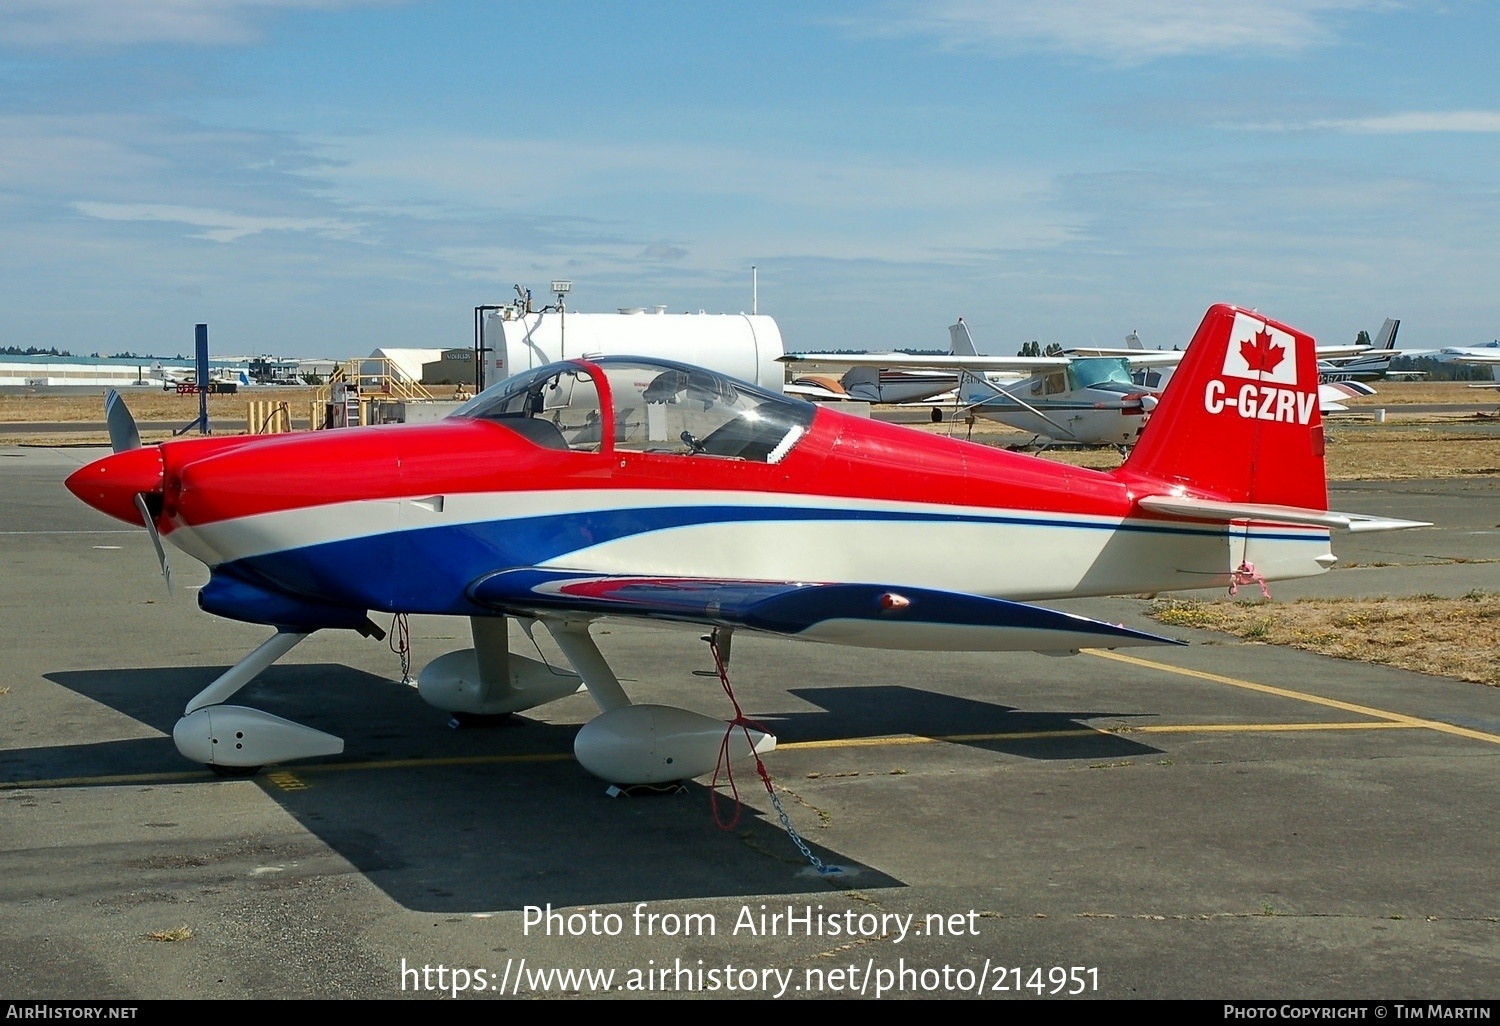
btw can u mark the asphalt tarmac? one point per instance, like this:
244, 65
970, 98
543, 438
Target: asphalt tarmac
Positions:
1223, 820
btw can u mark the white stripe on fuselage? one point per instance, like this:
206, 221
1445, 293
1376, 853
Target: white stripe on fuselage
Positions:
264, 533
1018, 554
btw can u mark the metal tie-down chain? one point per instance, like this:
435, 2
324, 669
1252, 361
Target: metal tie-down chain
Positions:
744, 723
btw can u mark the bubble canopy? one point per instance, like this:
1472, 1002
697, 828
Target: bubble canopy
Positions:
634, 404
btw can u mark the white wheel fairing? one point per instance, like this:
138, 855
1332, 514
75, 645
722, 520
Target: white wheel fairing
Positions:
653, 744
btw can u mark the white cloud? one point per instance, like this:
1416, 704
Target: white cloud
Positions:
661, 252
105, 23
218, 225
1419, 121
599, 208
1122, 31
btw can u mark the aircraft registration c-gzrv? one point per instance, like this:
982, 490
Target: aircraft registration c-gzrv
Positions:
629, 487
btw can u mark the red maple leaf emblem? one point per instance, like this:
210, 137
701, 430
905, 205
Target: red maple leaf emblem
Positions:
1259, 354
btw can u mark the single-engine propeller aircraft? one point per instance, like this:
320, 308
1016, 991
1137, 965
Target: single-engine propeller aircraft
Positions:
1083, 395
1368, 365
631, 487
1090, 400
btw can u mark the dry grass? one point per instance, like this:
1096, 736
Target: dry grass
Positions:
1457, 637
1400, 393
1406, 453
145, 405
1393, 453
176, 933
154, 404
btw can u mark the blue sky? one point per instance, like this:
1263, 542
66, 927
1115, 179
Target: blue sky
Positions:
325, 176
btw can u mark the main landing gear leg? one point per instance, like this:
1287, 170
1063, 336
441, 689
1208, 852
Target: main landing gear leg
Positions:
236, 741
578, 645
642, 744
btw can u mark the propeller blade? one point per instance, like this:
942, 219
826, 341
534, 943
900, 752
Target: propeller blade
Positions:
122, 430
161, 553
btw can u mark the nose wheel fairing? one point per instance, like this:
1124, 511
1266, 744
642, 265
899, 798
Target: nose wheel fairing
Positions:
233, 736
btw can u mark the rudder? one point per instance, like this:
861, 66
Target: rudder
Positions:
1239, 420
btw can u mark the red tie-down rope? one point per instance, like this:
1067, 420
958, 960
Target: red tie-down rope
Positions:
1245, 574
724, 765
744, 723
400, 643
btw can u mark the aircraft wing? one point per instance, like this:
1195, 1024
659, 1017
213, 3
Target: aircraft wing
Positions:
1136, 357
1154, 357
1345, 352
969, 363
1226, 512
860, 615
803, 389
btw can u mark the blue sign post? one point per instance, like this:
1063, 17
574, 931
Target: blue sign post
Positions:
200, 341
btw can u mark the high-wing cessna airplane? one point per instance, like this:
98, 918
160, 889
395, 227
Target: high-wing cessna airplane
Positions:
1490, 360
1088, 399
1085, 396
1372, 362
630, 487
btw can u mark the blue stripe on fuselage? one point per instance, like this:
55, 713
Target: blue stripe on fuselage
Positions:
427, 570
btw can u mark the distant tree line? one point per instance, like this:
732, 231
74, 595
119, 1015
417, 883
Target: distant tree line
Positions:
1437, 370
32, 351
54, 351
1034, 348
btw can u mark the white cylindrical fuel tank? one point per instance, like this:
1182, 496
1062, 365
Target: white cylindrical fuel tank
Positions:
744, 346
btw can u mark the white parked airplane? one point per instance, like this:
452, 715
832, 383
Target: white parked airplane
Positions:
1083, 396
1485, 352
172, 377
1367, 365
1490, 360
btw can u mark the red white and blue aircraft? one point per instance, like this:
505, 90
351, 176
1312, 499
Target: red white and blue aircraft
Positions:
631, 487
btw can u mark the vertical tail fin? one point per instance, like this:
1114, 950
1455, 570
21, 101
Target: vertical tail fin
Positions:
962, 343
1239, 420
1387, 337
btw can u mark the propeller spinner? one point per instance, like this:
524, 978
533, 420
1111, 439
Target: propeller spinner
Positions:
124, 484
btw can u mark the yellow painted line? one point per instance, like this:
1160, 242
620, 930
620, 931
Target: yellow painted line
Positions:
195, 776
457, 760
859, 742
183, 777
1267, 728
1042, 735
1302, 696
286, 781
290, 782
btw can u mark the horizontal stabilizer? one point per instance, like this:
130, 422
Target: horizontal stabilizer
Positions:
859, 615
1224, 512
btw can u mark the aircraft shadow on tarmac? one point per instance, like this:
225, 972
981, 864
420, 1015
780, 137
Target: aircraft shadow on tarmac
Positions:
881, 710
486, 835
